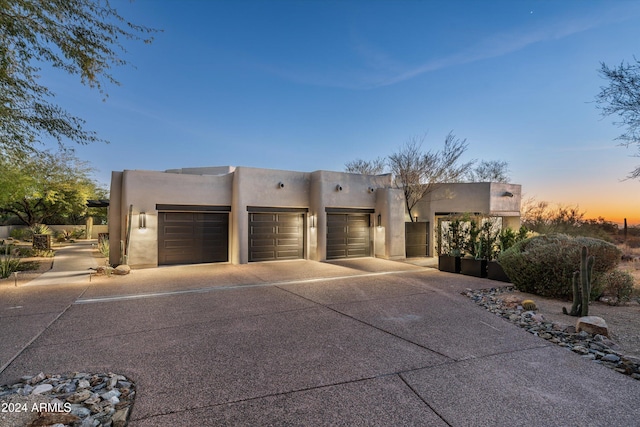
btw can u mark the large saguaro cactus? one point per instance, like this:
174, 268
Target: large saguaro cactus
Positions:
582, 285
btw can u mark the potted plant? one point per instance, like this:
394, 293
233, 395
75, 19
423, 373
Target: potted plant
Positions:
451, 247
479, 243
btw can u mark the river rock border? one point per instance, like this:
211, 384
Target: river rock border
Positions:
598, 348
74, 400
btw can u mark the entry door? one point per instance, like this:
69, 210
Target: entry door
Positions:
416, 239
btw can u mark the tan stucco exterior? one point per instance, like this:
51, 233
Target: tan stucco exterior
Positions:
491, 199
239, 189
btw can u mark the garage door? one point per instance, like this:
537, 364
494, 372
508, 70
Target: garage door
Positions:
193, 237
347, 235
276, 236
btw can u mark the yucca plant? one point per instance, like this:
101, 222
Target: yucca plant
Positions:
8, 263
40, 229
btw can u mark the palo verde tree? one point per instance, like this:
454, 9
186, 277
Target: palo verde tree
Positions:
418, 173
46, 188
81, 37
622, 98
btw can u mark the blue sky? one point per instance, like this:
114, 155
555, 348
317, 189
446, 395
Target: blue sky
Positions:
308, 85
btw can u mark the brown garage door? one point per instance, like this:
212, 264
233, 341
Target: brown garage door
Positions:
276, 236
193, 237
347, 235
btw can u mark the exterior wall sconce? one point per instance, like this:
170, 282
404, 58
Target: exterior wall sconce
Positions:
338, 187
379, 221
507, 194
312, 218
371, 189
281, 184
142, 221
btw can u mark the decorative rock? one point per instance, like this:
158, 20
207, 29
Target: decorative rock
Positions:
37, 378
122, 270
88, 408
592, 325
80, 410
42, 388
580, 350
596, 347
611, 358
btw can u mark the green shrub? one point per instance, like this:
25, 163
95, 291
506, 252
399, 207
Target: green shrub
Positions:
543, 265
618, 284
34, 252
21, 234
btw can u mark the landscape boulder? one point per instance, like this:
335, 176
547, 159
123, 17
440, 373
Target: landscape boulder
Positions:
122, 269
593, 325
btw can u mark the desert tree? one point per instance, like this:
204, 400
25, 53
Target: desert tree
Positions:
45, 187
84, 38
366, 167
490, 171
621, 97
418, 173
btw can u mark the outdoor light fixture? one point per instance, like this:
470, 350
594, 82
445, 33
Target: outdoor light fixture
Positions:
416, 217
142, 221
379, 221
338, 187
371, 189
281, 185
507, 194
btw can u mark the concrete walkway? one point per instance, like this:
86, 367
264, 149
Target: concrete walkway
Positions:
356, 343
71, 264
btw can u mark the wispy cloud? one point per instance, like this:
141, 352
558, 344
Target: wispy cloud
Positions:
377, 68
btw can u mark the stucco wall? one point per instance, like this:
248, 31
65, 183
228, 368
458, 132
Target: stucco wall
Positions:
485, 198
261, 187
312, 192
356, 191
145, 189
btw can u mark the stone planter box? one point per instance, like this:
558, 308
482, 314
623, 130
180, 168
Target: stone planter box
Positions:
496, 272
448, 263
473, 267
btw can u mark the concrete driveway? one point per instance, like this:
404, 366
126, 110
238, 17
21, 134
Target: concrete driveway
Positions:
361, 342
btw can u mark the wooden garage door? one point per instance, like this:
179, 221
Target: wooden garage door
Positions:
192, 237
276, 236
347, 235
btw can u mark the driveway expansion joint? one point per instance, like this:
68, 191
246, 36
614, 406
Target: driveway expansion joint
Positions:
370, 325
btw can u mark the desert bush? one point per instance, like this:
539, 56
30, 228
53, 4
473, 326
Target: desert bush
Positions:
544, 265
8, 263
103, 247
21, 234
618, 284
34, 252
